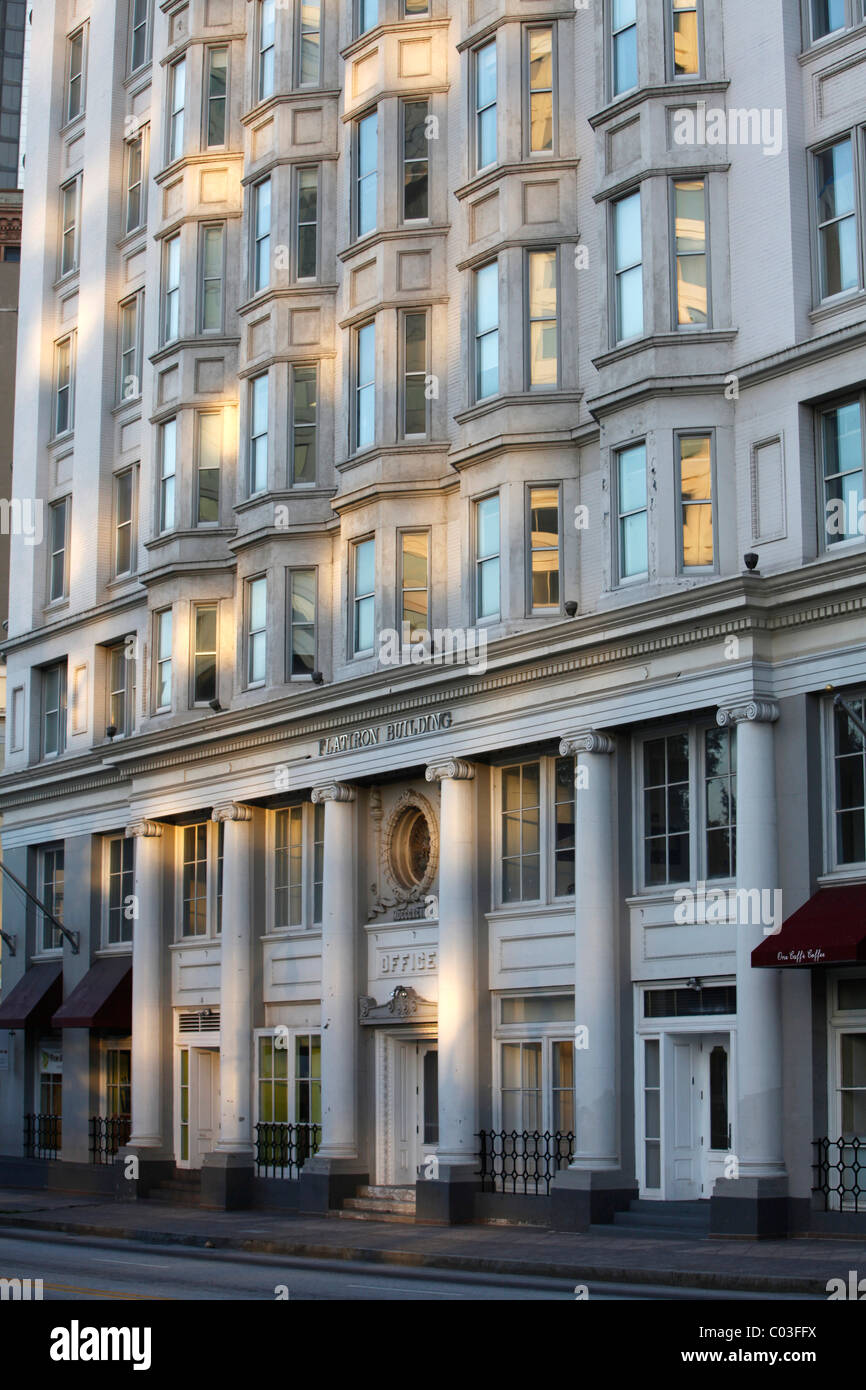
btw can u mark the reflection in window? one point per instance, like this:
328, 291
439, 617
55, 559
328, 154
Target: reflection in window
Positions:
837, 219
691, 251
696, 499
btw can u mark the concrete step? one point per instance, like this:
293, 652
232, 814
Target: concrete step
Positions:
407, 1218
401, 1208
649, 1232
401, 1194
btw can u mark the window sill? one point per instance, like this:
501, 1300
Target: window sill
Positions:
839, 304
850, 873
202, 942
830, 43
563, 906
626, 101
291, 933
118, 948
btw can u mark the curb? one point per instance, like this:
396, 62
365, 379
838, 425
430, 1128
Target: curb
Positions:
585, 1273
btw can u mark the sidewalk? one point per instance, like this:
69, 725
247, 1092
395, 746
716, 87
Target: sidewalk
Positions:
795, 1266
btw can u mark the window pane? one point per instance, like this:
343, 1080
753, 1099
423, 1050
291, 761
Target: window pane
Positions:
685, 21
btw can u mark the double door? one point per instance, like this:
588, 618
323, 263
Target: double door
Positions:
699, 1114
415, 1110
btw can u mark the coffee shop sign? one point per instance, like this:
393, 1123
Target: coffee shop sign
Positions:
375, 735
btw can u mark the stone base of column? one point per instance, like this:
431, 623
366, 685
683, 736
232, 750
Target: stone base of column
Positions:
750, 1208
325, 1183
584, 1197
448, 1199
227, 1180
151, 1167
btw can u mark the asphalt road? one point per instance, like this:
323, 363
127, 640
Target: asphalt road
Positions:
75, 1269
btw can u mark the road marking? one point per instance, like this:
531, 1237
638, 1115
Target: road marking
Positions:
107, 1293
138, 1264
387, 1288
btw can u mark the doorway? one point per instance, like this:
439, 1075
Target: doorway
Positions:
198, 1104
687, 1114
408, 1108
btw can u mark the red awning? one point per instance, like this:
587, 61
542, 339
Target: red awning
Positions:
35, 997
103, 999
830, 929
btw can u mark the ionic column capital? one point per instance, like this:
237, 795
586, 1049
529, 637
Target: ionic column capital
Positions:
333, 791
143, 830
450, 769
231, 810
748, 712
590, 742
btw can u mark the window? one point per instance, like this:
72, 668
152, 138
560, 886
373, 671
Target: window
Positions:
135, 184
536, 1065
211, 279
58, 541
652, 1120
690, 239
542, 334
257, 636
840, 446
623, 37
177, 98
487, 557
75, 76
194, 883
487, 331
131, 328
261, 235
289, 1089
307, 223
304, 426
121, 688
124, 522
368, 15
302, 622
544, 561
71, 200
415, 584
64, 390
297, 831
520, 816
363, 596
204, 672
633, 517
217, 84
413, 9
485, 106
416, 162
365, 386
258, 446
139, 34
689, 806
220, 858
171, 290
118, 1078
267, 47
849, 786
539, 82
168, 469
695, 479
51, 893
54, 710
210, 442
628, 267
367, 177
415, 370
685, 35
837, 219
828, 16
163, 659
309, 14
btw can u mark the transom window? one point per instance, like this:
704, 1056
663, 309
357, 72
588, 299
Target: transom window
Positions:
536, 831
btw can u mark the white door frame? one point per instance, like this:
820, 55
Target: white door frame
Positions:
197, 1110
386, 1099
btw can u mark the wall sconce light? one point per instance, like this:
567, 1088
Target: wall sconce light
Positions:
571, 608
317, 678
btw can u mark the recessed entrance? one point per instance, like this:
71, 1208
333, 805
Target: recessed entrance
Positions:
198, 1104
407, 1106
686, 1112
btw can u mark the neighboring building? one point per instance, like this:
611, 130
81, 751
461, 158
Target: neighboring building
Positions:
484, 322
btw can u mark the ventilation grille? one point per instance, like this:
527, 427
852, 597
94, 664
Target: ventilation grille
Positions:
199, 1021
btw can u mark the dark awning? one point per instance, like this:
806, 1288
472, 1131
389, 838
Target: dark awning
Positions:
103, 999
35, 997
830, 929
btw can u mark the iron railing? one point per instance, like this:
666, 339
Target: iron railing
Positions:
840, 1167
524, 1162
108, 1133
42, 1136
283, 1149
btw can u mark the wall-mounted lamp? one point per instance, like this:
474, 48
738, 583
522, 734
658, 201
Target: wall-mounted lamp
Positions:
751, 561
317, 678
571, 608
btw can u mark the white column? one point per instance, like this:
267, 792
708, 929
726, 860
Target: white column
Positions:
595, 968
458, 991
339, 971
758, 1137
236, 1018
148, 1023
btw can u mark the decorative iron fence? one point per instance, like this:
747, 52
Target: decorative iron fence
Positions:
282, 1149
42, 1136
524, 1162
108, 1133
841, 1173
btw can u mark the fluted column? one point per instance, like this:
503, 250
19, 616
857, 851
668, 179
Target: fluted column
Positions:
236, 1018
339, 975
148, 1024
458, 992
758, 1137
595, 969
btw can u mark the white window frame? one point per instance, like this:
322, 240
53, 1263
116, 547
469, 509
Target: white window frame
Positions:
194, 652
358, 598
617, 274
611, 34
266, 52
217, 468
171, 278
479, 560
529, 90
673, 75
251, 634
546, 834
402, 588
80, 33
404, 314
551, 610
311, 818
140, 139
208, 99
135, 8
301, 31
291, 571
46, 928
547, 1034
294, 425
61, 667
297, 224
64, 344
255, 434
212, 880
163, 617
62, 550
130, 353
260, 240
622, 580
70, 224
678, 327
132, 523
369, 175
176, 122
711, 502
404, 161
530, 319
204, 280
107, 876
478, 335
167, 484
832, 864
127, 688
479, 111
846, 543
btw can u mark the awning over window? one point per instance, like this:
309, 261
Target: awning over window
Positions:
830, 929
103, 999
35, 997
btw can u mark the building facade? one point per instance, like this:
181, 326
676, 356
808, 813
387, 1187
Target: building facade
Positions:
450, 520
